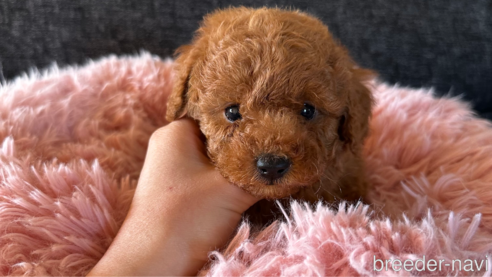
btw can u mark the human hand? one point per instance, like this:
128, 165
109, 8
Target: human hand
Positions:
182, 209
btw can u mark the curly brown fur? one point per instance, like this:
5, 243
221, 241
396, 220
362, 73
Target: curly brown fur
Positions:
270, 62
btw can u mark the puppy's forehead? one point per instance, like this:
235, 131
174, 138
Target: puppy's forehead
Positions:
238, 74
267, 57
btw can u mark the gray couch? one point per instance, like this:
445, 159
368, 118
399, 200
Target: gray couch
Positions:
445, 44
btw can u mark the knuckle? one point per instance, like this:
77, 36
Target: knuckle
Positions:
171, 131
159, 135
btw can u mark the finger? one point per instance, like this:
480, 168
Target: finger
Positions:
188, 133
181, 140
186, 125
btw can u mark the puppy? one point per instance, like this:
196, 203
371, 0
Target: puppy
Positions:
281, 104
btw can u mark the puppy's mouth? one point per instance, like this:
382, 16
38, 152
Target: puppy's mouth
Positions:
271, 183
270, 176
272, 179
267, 188
274, 189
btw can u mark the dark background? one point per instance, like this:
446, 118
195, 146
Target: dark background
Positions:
445, 44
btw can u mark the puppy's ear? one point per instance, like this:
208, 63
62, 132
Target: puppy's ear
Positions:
177, 101
354, 123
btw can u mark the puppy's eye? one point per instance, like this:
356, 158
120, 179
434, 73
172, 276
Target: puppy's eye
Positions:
232, 113
308, 111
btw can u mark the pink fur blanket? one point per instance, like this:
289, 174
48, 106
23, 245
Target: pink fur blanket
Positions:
73, 143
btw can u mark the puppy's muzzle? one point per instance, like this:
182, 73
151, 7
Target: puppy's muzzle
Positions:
272, 167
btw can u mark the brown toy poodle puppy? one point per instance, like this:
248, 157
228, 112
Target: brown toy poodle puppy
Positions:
282, 106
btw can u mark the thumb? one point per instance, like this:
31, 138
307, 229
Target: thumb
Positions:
182, 136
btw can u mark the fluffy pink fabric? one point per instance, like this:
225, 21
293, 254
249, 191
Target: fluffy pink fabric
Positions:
73, 143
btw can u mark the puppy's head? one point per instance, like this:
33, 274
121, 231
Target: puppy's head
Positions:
280, 102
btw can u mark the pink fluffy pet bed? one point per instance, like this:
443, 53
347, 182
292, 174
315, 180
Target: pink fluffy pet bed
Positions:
73, 143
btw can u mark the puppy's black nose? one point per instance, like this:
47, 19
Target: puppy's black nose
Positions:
272, 167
